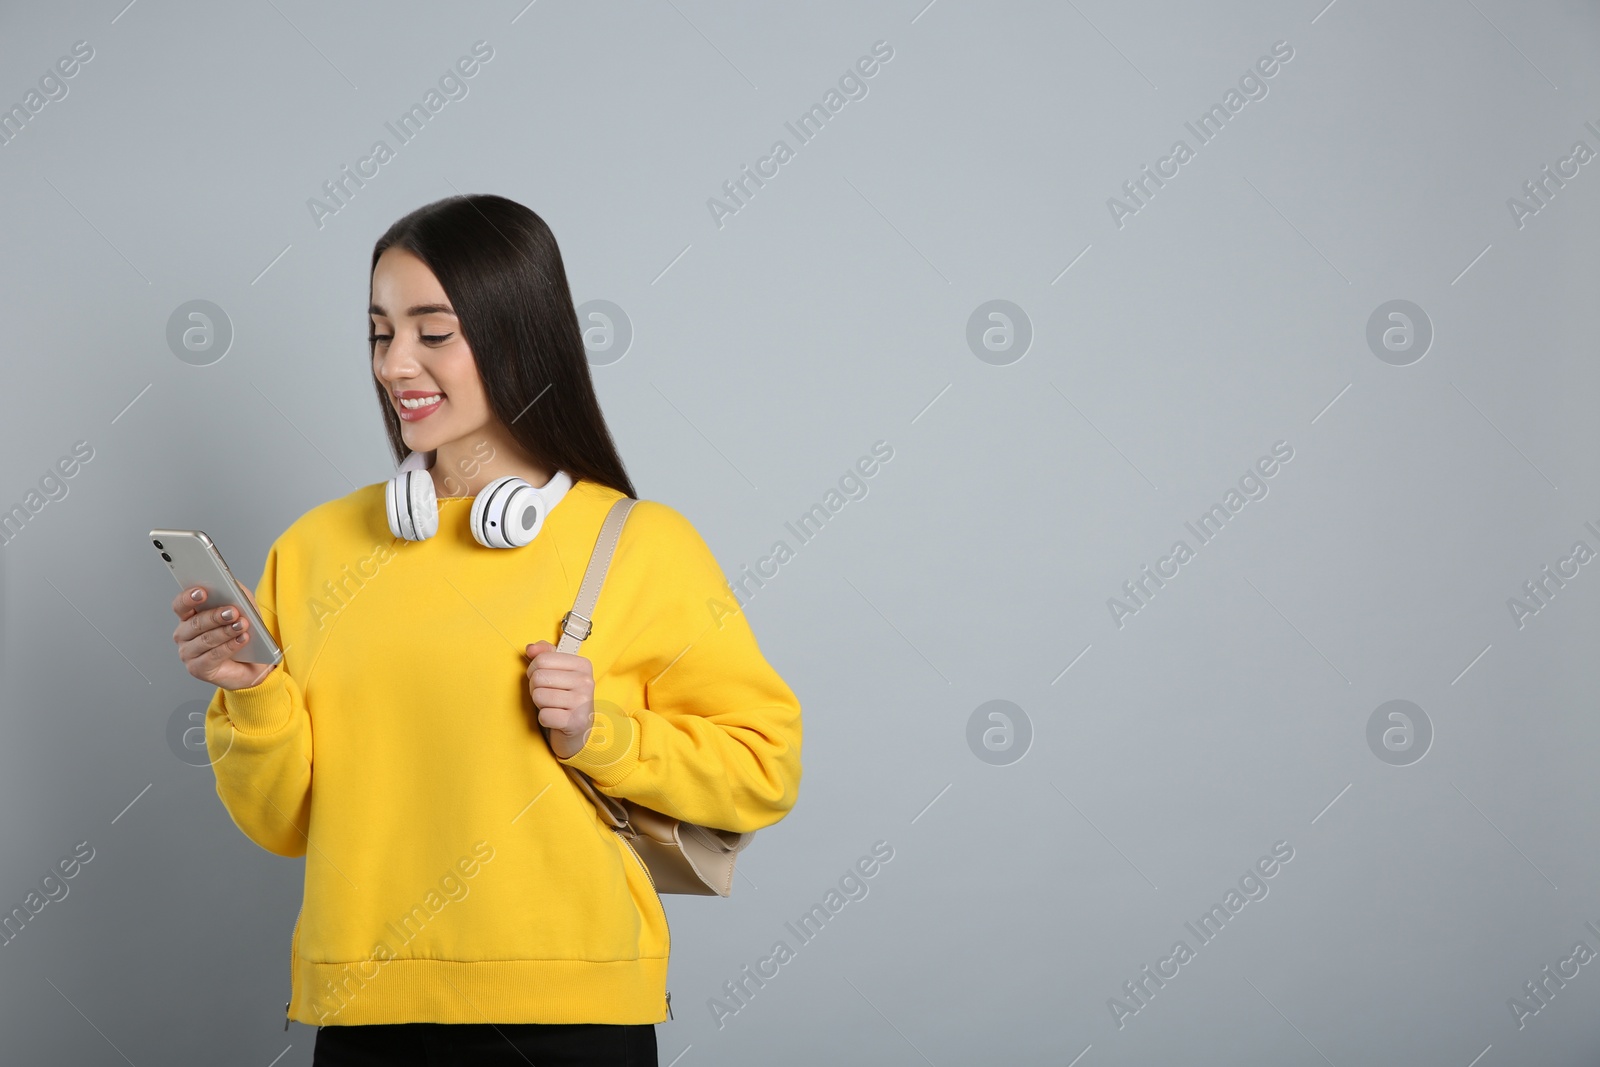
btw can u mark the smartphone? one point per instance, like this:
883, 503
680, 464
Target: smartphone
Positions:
193, 559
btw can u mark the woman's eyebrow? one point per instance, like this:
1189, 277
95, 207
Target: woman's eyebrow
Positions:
415, 310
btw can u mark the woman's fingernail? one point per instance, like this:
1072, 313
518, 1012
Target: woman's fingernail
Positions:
197, 594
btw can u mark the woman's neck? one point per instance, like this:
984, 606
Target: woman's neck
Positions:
462, 468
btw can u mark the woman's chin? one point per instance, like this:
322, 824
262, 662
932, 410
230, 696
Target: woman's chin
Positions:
419, 438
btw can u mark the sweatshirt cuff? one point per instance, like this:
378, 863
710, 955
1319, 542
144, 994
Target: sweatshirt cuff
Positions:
263, 708
612, 751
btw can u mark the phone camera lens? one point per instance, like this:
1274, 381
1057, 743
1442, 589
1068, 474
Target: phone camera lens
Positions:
158, 544
166, 557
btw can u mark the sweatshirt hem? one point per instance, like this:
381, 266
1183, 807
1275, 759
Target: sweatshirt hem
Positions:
374, 991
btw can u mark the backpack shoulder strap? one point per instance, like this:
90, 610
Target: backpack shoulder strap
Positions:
577, 624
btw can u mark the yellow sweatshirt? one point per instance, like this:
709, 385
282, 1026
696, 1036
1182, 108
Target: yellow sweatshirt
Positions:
454, 873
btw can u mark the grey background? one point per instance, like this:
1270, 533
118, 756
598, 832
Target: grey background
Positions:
769, 354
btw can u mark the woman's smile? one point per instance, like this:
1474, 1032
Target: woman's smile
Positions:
414, 405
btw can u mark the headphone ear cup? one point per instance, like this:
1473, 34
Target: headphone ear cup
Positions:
412, 505
507, 513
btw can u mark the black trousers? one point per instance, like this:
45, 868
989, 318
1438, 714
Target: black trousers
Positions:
486, 1045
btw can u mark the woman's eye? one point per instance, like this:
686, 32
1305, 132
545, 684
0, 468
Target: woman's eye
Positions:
376, 337
436, 338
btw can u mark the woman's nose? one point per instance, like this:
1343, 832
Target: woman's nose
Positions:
397, 362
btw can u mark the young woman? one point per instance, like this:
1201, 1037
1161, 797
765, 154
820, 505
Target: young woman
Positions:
464, 901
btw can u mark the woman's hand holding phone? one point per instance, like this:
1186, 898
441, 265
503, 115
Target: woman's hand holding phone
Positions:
207, 638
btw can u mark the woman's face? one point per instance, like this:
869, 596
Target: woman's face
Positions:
418, 354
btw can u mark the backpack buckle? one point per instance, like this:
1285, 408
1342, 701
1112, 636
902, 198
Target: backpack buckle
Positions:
566, 626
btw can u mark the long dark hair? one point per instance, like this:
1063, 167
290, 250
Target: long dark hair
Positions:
501, 269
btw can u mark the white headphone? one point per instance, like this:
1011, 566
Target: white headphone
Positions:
506, 513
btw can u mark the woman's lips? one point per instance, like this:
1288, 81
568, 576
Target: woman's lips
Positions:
418, 414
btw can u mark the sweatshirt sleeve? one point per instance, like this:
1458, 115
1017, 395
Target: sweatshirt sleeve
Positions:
259, 741
717, 742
